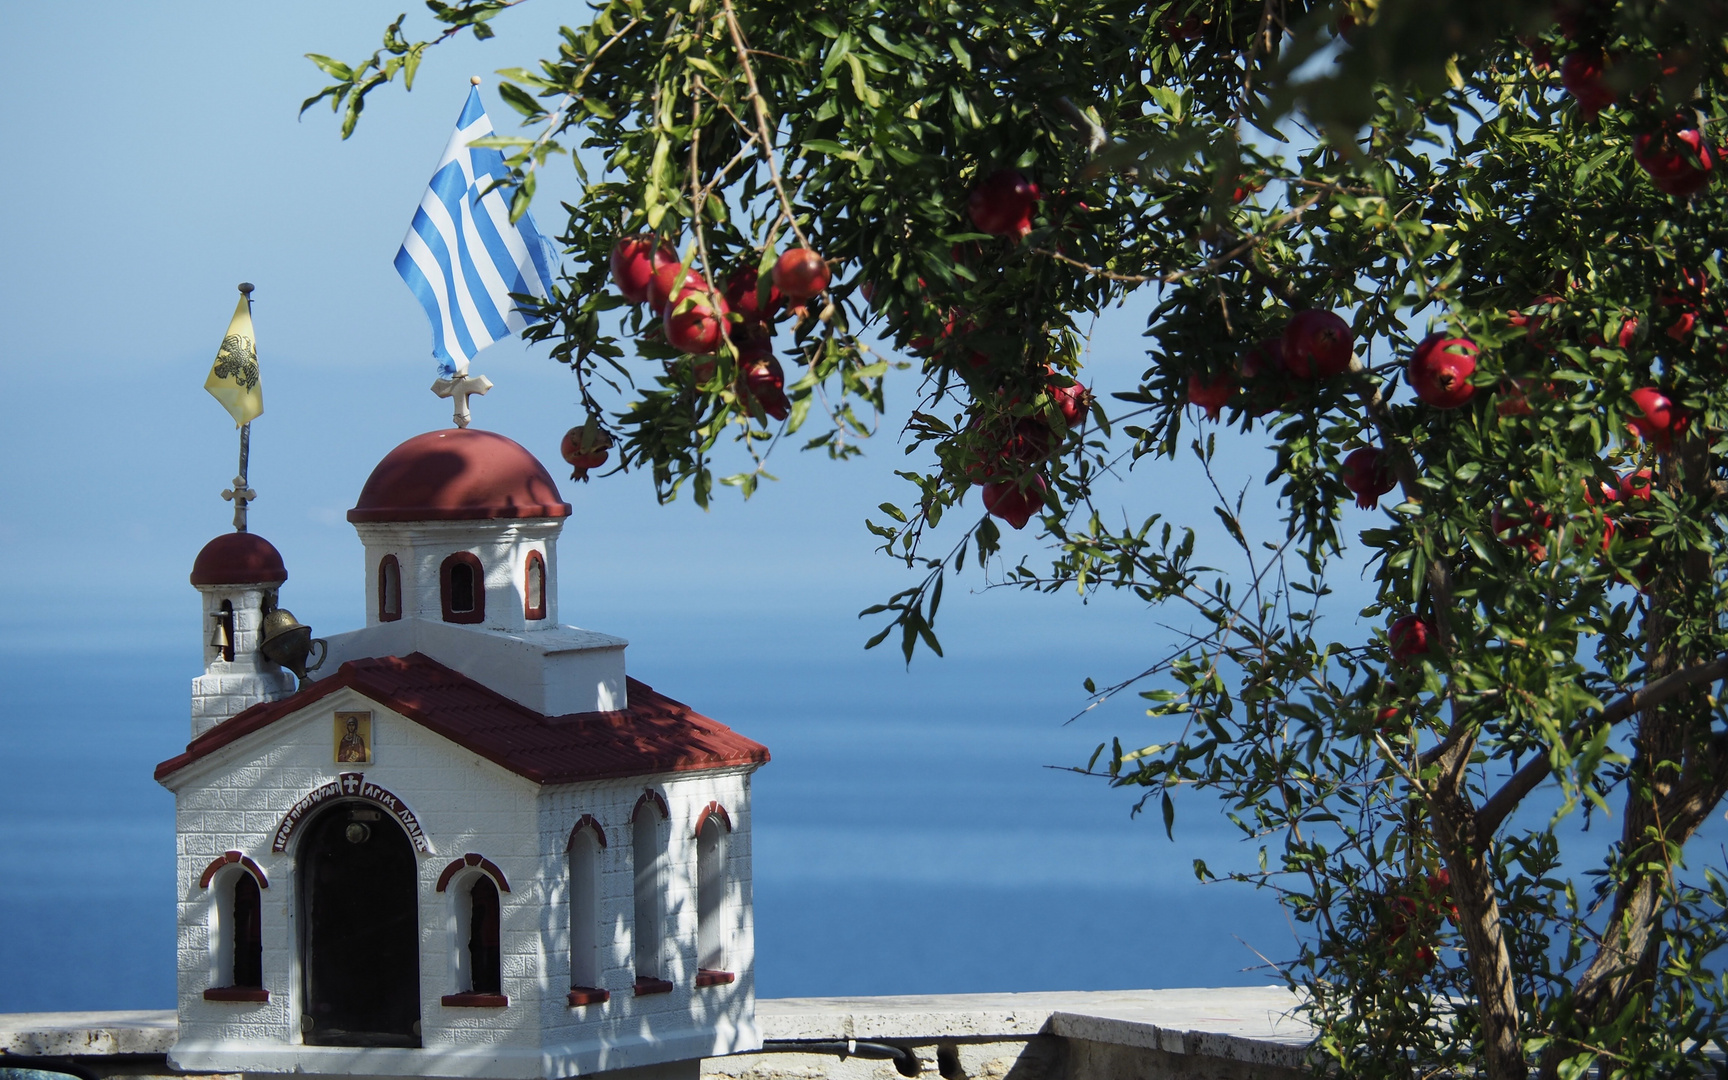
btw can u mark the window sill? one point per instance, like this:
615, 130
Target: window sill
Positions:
236, 993
589, 995
710, 977
471, 1000
646, 985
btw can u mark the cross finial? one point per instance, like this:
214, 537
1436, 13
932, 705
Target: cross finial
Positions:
240, 495
459, 389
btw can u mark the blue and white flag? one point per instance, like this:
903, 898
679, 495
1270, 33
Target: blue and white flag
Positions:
463, 258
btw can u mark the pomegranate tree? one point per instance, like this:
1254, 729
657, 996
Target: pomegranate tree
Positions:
1536, 178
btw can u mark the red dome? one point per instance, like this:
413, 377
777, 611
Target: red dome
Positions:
458, 474
239, 558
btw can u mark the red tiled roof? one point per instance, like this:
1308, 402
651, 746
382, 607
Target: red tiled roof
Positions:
655, 734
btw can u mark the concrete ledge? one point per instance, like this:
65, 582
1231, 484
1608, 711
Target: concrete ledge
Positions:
1222, 1033
70, 1034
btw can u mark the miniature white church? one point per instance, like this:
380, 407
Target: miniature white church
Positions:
472, 847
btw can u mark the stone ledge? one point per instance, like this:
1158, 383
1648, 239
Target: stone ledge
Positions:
62, 1034
1250, 1026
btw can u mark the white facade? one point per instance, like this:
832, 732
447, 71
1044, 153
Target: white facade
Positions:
651, 923
236, 799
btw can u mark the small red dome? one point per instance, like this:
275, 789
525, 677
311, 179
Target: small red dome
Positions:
239, 558
458, 474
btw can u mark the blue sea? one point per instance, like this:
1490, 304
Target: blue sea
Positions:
909, 836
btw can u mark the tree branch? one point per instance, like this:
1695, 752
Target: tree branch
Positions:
1504, 801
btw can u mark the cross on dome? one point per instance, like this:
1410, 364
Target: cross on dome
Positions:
459, 389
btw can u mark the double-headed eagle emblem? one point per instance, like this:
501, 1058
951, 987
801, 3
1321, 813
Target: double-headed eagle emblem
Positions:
237, 360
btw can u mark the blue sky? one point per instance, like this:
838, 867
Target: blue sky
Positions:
155, 160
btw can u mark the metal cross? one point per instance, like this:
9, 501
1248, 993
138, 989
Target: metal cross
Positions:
240, 495
459, 390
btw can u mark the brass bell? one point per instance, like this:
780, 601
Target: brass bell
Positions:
285, 640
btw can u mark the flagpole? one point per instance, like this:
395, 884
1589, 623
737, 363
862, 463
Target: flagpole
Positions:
241, 493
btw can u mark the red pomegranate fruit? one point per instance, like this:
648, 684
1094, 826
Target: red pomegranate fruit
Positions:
1013, 502
585, 447
1533, 317
670, 278
1410, 637
1676, 159
1211, 392
800, 274
1002, 203
765, 380
745, 295
1316, 344
634, 260
693, 324
1522, 527
1581, 74
1657, 419
1440, 370
1073, 401
1368, 475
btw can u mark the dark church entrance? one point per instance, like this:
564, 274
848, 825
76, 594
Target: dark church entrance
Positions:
361, 930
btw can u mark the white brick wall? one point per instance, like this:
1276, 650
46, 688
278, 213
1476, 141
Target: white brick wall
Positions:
502, 547
228, 687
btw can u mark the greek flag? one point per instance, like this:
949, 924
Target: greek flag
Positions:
462, 258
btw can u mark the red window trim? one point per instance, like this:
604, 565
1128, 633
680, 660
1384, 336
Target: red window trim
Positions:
236, 993
487, 867
471, 1000
710, 977
713, 809
530, 610
469, 559
648, 984
587, 822
659, 801
229, 858
385, 615
588, 995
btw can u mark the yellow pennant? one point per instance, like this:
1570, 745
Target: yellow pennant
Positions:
234, 376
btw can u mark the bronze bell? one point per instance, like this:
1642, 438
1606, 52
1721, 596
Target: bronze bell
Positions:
285, 640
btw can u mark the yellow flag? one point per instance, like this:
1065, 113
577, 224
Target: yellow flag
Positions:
234, 377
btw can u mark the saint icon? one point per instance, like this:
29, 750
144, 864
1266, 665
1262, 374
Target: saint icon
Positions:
353, 738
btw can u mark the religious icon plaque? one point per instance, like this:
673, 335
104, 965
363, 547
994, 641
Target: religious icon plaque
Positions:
353, 738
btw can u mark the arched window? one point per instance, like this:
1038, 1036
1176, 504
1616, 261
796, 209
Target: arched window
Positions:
585, 843
222, 638
647, 838
474, 883
534, 606
462, 588
711, 937
389, 589
236, 929
484, 975
248, 933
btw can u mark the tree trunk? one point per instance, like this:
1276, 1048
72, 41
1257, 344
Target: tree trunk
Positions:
1454, 819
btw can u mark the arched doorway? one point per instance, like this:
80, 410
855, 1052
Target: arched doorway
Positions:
360, 929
